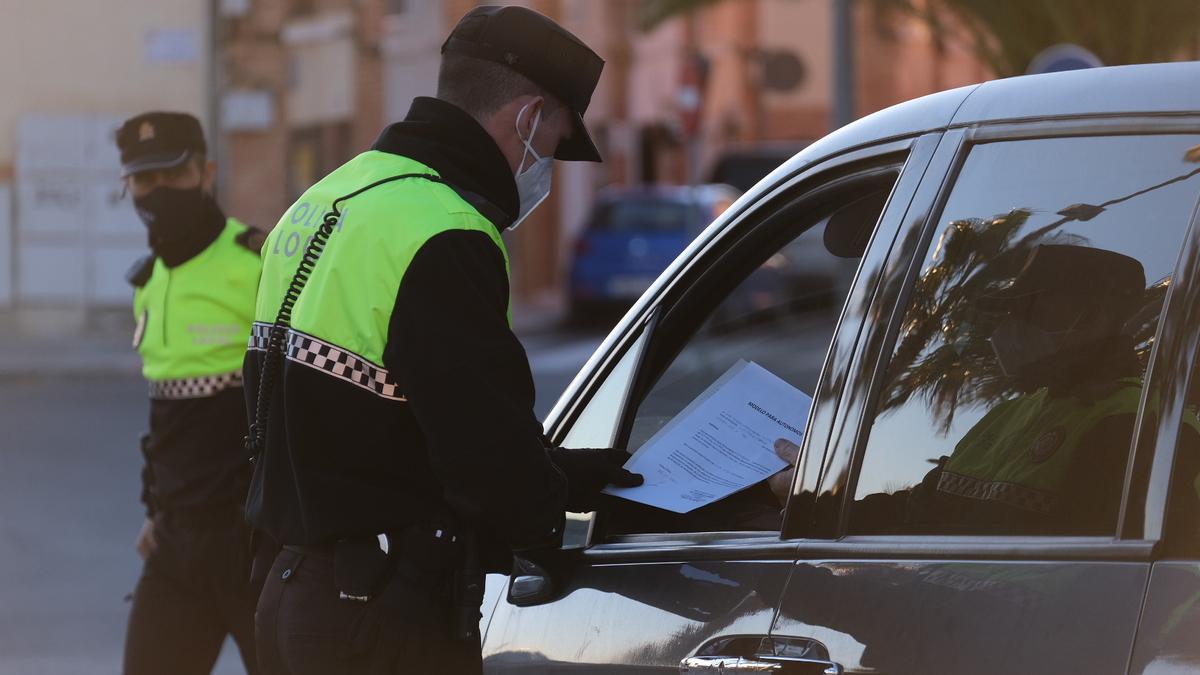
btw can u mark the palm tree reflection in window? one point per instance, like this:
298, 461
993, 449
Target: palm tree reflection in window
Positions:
944, 353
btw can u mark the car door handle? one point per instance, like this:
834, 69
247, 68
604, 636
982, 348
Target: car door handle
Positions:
706, 665
783, 665
751, 654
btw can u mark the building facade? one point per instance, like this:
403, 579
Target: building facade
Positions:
72, 72
309, 83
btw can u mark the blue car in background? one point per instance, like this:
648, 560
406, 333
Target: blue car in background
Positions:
632, 235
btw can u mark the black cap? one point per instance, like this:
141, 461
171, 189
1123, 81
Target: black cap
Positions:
158, 140
541, 50
1081, 271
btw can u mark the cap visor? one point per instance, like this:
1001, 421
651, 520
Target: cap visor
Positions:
154, 162
1004, 299
579, 147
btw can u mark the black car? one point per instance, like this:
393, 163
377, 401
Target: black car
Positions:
1045, 220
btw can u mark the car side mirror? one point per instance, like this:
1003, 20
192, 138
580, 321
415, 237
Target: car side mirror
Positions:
530, 584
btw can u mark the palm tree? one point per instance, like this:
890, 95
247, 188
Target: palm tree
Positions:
651, 13
1007, 34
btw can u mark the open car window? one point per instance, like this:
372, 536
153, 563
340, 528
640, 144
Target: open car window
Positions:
773, 301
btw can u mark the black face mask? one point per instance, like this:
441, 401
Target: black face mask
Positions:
180, 223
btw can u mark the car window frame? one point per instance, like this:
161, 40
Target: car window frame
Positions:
909, 157
960, 140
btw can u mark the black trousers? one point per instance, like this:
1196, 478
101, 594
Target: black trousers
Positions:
303, 628
194, 590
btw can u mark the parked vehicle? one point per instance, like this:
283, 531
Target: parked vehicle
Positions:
855, 574
742, 166
632, 235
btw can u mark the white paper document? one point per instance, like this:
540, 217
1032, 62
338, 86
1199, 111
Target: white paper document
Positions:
721, 443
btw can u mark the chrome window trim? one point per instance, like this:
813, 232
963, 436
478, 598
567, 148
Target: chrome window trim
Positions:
1082, 125
681, 547
913, 547
733, 546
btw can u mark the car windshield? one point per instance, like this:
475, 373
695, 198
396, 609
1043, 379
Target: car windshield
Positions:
643, 215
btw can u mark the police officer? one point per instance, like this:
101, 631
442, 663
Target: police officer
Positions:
193, 303
398, 454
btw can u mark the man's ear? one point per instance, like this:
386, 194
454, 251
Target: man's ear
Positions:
532, 107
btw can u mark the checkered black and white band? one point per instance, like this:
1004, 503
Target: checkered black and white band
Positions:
260, 336
1012, 494
194, 387
330, 359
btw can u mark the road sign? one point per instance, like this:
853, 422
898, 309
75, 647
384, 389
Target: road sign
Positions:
689, 97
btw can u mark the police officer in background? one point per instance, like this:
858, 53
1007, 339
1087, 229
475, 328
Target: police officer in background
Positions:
193, 303
392, 405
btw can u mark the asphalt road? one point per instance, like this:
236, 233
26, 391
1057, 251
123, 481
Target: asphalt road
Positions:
69, 511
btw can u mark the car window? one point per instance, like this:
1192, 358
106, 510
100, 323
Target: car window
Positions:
781, 316
644, 215
1009, 401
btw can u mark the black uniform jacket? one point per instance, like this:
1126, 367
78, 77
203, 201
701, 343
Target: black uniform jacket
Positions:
195, 459
339, 461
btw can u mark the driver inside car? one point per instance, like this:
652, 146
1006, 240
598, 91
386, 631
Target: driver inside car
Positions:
1051, 459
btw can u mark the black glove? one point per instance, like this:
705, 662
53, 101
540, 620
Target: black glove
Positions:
589, 470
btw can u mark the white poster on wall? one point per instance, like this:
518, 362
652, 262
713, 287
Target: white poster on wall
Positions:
74, 231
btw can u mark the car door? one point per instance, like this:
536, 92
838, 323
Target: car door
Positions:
652, 588
917, 573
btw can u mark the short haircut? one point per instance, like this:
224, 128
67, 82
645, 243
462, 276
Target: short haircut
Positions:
482, 87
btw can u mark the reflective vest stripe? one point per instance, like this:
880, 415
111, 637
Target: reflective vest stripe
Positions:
998, 491
330, 359
195, 387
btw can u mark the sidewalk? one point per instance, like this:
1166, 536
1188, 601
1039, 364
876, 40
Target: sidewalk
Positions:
92, 354
109, 353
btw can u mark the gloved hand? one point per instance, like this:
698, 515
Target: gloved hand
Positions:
589, 470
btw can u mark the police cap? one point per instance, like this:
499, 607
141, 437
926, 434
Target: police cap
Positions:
1080, 271
158, 140
541, 50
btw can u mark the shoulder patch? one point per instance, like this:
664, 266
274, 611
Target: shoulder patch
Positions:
253, 239
139, 272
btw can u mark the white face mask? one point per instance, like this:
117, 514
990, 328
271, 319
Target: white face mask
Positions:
533, 184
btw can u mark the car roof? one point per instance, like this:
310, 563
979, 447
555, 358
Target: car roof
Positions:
1149, 89
1152, 88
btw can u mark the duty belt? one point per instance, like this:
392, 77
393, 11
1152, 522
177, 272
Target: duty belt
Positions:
194, 387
